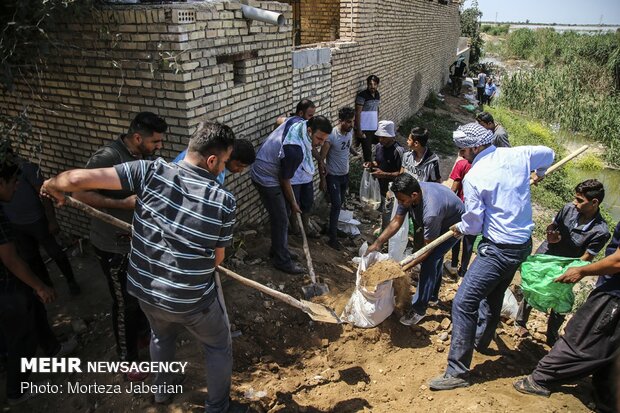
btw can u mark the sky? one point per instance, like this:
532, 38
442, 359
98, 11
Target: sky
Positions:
551, 11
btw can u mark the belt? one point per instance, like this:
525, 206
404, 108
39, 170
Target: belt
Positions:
509, 246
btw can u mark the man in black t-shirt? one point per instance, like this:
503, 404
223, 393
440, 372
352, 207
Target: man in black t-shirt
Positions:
144, 137
457, 75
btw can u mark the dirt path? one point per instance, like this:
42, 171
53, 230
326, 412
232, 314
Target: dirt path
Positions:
283, 362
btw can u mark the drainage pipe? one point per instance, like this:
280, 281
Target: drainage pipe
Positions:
261, 15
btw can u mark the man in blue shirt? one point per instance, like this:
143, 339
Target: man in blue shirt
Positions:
287, 153
242, 156
498, 205
591, 338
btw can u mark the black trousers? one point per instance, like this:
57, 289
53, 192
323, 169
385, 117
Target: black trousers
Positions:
590, 343
128, 320
366, 143
29, 237
554, 321
24, 325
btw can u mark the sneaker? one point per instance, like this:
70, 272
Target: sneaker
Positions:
293, 268
411, 318
136, 376
447, 382
335, 244
447, 265
74, 288
527, 385
66, 348
166, 398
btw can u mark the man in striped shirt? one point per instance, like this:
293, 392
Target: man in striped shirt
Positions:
182, 223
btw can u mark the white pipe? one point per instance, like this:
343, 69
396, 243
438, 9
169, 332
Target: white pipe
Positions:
261, 15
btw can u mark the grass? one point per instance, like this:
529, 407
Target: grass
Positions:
440, 128
495, 30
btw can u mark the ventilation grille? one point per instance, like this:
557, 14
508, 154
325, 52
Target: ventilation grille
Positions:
183, 16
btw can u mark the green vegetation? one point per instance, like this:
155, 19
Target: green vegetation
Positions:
495, 30
440, 128
470, 27
576, 82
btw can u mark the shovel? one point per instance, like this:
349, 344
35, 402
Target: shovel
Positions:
408, 262
317, 312
314, 289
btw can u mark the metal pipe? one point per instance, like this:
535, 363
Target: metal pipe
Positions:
261, 15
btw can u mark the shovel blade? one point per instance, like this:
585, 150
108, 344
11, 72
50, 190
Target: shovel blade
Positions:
314, 290
320, 312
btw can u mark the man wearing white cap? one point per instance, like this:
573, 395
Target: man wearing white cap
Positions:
497, 204
387, 164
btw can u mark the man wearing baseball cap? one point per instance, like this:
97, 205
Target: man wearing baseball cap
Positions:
497, 204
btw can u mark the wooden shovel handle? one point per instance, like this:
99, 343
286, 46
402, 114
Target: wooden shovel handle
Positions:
567, 158
262, 288
306, 249
88, 210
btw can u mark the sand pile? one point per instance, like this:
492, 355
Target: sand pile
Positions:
381, 271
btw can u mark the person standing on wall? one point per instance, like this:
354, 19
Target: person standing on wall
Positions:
183, 222
367, 104
498, 205
335, 151
144, 137
284, 152
457, 75
34, 225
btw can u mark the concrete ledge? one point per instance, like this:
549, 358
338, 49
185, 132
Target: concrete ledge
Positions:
311, 57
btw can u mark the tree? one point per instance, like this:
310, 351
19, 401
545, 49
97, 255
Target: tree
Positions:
470, 27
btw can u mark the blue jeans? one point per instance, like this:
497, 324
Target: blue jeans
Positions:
276, 206
337, 188
430, 277
210, 328
478, 302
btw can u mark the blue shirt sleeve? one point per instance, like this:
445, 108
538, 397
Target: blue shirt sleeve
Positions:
293, 155
541, 158
180, 157
132, 174
473, 218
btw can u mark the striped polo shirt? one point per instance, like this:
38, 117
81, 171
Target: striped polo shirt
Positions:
182, 214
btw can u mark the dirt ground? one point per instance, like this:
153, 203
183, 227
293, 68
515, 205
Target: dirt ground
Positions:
284, 362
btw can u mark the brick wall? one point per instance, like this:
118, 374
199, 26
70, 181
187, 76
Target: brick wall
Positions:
227, 69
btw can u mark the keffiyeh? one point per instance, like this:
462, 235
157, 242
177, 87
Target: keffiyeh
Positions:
472, 135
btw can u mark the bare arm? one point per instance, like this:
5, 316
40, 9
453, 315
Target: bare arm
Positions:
17, 266
358, 121
220, 253
80, 180
97, 200
387, 233
608, 265
325, 150
289, 195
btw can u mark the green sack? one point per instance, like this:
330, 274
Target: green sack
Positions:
537, 275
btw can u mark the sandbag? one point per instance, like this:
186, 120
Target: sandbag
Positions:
368, 308
537, 275
510, 305
370, 192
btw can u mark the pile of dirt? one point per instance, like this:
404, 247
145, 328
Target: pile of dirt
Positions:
381, 271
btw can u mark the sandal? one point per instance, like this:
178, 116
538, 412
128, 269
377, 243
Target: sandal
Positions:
527, 385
